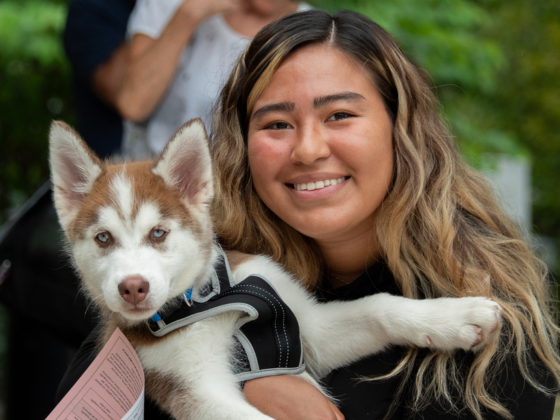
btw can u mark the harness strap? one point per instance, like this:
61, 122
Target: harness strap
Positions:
268, 333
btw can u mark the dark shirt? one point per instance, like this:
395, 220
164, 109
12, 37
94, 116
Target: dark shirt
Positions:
360, 400
369, 400
94, 30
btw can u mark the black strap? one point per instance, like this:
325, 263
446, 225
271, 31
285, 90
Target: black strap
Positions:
269, 333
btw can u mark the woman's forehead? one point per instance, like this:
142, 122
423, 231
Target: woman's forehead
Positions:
321, 67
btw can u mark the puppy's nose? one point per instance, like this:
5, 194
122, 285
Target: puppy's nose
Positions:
134, 289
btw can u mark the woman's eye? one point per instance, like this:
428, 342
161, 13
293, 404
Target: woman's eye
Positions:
280, 125
337, 116
103, 238
158, 233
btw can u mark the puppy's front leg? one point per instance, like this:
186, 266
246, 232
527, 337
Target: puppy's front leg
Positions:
189, 373
338, 333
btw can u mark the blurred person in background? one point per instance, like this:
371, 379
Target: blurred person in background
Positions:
180, 54
94, 41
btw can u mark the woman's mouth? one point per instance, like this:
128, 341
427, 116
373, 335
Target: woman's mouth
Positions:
317, 185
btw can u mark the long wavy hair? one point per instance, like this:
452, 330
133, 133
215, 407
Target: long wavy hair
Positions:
439, 228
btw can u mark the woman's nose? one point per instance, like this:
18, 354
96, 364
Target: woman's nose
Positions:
310, 145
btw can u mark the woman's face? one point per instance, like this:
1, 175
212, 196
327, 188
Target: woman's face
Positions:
320, 145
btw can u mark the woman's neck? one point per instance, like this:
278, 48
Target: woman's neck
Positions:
347, 259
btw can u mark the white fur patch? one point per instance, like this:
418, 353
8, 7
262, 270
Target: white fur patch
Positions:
121, 190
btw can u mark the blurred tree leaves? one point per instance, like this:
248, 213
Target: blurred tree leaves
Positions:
30, 30
527, 97
494, 64
35, 87
449, 39
496, 69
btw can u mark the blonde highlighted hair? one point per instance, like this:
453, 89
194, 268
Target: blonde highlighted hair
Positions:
439, 227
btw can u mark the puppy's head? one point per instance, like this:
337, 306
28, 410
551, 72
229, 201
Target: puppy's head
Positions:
139, 232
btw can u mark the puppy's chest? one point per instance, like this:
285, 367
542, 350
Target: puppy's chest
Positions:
189, 346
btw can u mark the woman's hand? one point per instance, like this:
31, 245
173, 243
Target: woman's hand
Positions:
151, 63
206, 8
288, 397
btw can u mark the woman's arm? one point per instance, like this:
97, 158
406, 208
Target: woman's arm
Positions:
108, 77
289, 397
151, 63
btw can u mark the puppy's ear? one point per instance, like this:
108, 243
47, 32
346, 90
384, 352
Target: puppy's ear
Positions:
74, 168
185, 164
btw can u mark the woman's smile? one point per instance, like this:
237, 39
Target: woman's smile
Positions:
318, 185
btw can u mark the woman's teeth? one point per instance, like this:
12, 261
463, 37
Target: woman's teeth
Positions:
310, 186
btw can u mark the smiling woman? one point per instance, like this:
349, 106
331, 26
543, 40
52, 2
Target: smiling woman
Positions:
331, 157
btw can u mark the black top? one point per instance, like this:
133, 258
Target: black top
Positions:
94, 30
371, 400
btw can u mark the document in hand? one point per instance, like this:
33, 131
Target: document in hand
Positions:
112, 388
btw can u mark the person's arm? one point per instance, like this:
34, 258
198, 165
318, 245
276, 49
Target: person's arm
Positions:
94, 41
151, 63
107, 79
289, 397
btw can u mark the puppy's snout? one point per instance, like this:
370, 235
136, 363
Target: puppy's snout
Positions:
134, 289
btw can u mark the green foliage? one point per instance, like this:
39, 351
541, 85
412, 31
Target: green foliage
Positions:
447, 39
495, 66
493, 62
30, 31
527, 97
35, 87
443, 36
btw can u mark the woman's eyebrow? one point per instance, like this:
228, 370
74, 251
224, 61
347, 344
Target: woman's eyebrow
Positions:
280, 106
344, 96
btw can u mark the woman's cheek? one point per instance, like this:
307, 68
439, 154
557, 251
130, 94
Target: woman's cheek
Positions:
266, 154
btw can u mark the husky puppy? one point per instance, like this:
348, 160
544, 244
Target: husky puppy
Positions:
140, 235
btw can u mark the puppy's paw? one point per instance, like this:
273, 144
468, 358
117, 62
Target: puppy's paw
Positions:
461, 323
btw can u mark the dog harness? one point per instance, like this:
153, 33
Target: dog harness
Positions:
268, 333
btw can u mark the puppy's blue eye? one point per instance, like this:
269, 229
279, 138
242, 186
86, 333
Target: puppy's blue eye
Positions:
158, 233
103, 237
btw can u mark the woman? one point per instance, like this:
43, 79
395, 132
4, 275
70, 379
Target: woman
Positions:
332, 158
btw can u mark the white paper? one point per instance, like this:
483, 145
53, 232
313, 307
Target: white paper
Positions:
112, 388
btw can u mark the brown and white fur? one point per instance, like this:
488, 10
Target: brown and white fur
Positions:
140, 234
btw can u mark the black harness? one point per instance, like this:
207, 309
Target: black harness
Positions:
268, 334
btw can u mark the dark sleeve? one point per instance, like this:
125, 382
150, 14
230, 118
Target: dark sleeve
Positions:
371, 400
82, 360
522, 400
367, 400
94, 29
